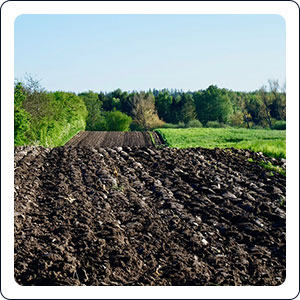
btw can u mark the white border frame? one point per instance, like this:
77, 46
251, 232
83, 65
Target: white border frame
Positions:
287, 9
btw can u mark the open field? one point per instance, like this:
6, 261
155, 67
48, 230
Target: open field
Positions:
89, 215
109, 139
269, 142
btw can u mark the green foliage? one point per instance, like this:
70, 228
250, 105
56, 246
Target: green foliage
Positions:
188, 111
67, 116
283, 201
214, 124
47, 119
279, 125
272, 147
271, 167
116, 100
193, 124
213, 104
95, 119
152, 139
117, 121
270, 142
170, 125
21, 117
136, 127
163, 102
236, 119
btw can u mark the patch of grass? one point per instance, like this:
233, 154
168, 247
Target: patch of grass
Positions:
273, 148
118, 188
152, 139
270, 142
271, 167
282, 202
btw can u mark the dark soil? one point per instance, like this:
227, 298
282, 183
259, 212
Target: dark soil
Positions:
112, 139
146, 216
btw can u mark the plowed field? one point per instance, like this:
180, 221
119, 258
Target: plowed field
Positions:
109, 139
89, 215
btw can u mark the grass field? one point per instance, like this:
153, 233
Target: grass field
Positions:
269, 142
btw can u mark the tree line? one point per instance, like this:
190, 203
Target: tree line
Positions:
51, 118
214, 106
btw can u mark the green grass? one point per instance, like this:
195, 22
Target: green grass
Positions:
270, 142
271, 167
152, 139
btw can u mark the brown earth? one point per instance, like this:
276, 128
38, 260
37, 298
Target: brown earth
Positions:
110, 139
88, 215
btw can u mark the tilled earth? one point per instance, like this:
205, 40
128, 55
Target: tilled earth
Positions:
110, 139
147, 216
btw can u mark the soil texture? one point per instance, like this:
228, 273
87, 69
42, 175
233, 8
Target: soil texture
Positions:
88, 215
110, 139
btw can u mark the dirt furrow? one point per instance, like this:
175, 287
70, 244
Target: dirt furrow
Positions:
146, 216
114, 139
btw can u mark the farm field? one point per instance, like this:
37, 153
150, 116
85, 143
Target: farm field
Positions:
90, 214
108, 139
269, 142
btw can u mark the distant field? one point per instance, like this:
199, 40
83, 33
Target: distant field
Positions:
270, 142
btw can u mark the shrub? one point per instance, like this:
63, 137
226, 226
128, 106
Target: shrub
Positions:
171, 125
117, 121
21, 117
181, 124
193, 124
48, 119
279, 125
135, 126
214, 124
236, 119
258, 127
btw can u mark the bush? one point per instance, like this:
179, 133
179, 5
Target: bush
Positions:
136, 127
48, 119
258, 127
21, 117
170, 125
64, 115
117, 121
279, 125
214, 124
193, 124
236, 119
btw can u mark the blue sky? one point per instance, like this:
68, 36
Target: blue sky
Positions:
137, 52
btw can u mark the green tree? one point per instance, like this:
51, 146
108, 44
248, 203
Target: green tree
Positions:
176, 108
188, 111
213, 104
117, 121
46, 118
242, 106
95, 119
163, 104
21, 117
278, 100
266, 103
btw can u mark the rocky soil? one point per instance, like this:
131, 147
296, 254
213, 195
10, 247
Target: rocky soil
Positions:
87, 215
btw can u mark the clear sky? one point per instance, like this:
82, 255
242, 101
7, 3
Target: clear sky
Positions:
137, 52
